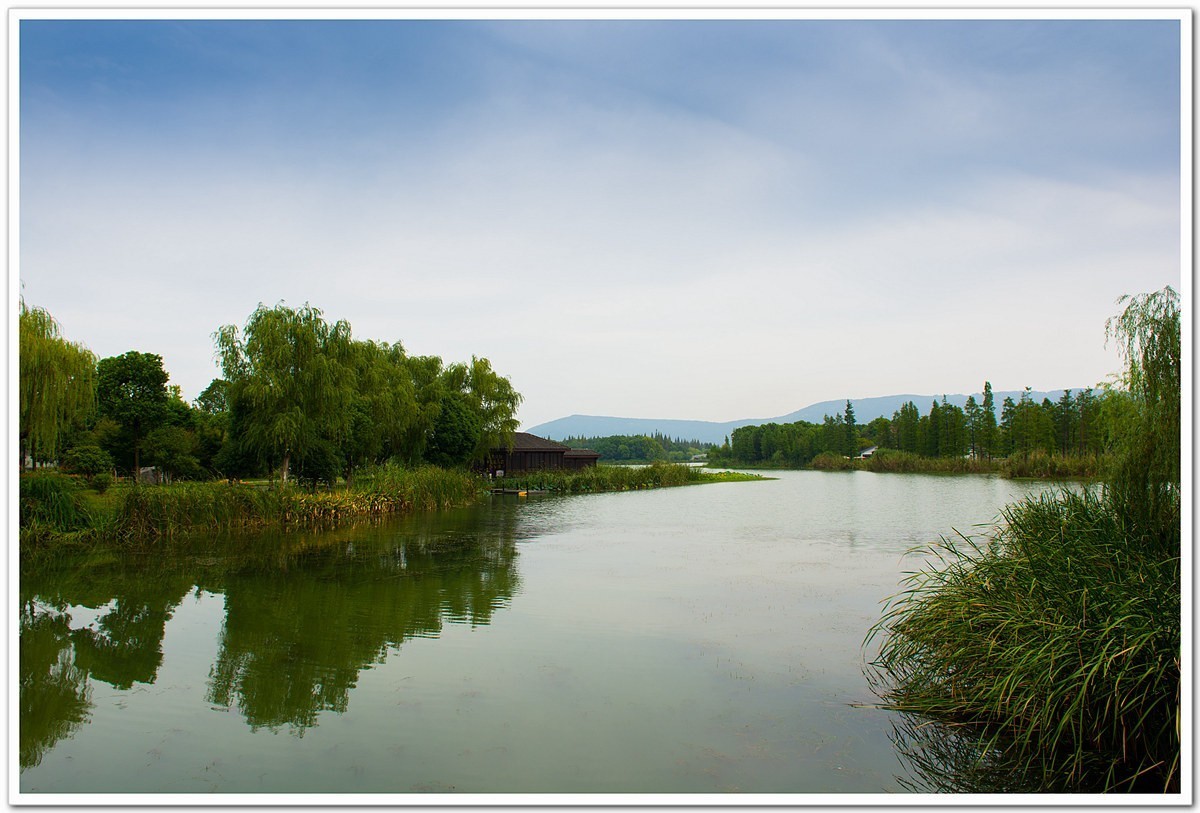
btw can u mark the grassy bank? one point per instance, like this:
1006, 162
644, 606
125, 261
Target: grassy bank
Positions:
58, 508
1034, 465
1055, 644
618, 478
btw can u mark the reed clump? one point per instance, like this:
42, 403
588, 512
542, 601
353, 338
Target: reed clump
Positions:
392, 488
1054, 640
1042, 464
152, 512
829, 461
54, 507
895, 460
596, 479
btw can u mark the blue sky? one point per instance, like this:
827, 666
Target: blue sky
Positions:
674, 218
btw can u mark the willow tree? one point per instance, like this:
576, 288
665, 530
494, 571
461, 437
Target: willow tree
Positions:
57, 384
289, 372
493, 398
1146, 475
383, 404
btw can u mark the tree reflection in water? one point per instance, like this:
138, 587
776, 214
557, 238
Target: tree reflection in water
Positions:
304, 614
55, 697
294, 642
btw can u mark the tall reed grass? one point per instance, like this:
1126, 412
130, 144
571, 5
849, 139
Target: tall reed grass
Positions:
1044, 465
616, 478
53, 505
1055, 642
897, 461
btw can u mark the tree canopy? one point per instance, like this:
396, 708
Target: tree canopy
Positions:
57, 383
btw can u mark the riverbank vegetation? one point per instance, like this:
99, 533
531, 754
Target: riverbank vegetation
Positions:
1068, 438
617, 478
1053, 647
640, 448
1035, 464
300, 397
60, 508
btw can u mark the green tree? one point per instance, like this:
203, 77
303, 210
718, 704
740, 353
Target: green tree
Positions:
215, 398
972, 414
88, 460
879, 430
57, 384
987, 418
132, 390
1005, 438
1145, 480
1066, 423
425, 372
456, 432
174, 449
289, 371
906, 424
851, 447
493, 398
383, 404
1089, 434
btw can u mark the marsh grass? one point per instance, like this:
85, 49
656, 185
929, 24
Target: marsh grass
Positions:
1040, 464
54, 500
895, 460
55, 508
1054, 641
596, 479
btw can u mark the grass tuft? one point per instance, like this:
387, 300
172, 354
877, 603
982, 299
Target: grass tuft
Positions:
1054, 642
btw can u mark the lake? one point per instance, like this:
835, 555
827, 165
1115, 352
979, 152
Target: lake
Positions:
696, 640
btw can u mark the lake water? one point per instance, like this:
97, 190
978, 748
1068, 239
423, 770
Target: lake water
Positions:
696, 640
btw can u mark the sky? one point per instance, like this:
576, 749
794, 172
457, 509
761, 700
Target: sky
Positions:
692, 219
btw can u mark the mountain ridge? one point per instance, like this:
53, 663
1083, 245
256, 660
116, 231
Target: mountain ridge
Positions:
865, 411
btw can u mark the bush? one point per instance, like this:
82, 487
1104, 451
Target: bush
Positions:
88, 460
102, 481
831, 461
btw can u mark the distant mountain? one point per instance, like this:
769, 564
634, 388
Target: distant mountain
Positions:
865, 411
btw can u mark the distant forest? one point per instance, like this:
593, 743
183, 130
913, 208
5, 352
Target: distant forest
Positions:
640, 448
1078, 424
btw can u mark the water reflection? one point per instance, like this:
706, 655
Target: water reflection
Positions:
948, 758
294, 642
55, 698
304, 615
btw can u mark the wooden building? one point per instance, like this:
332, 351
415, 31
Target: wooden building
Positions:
531, 453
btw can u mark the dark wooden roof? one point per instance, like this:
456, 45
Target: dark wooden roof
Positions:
525, 442
581, 453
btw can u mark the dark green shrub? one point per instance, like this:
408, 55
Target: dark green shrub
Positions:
88, 460
102, 481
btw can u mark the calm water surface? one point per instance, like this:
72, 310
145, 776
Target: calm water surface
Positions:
704, 639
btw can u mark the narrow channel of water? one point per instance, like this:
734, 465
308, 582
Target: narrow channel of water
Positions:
704, 639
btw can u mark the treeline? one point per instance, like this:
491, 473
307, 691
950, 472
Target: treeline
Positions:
640, 448
1083, 424
299, 396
